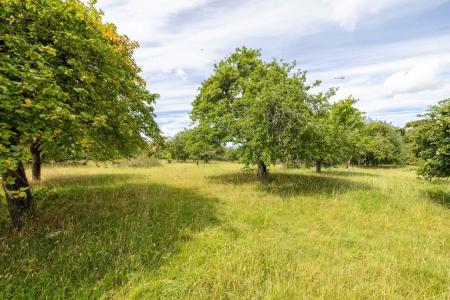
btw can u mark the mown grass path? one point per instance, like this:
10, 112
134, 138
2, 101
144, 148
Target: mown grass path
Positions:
213, 231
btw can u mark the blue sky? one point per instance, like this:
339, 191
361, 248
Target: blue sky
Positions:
394, 55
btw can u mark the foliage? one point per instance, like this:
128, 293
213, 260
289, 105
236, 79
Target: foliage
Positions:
431, 141
337, 134
194, 144
261, 107
230, 154
177, 146
383, 144
69, 83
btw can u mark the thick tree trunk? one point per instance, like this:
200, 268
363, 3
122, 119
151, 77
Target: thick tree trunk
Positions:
318, 166
36, 161
262, 170
18, 195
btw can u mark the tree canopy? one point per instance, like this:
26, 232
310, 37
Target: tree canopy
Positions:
337, 132
431, 141
262, 107
69, 82
383, 144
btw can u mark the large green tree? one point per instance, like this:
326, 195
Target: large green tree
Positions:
264, 108
336, 131
430, 138
383, 144
68, 83
350, 122
194, 143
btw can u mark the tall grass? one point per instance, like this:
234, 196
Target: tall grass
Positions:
213, 231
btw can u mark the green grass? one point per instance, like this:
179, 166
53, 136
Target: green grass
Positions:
180, 231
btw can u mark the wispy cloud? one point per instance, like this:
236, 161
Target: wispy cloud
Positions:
181, 40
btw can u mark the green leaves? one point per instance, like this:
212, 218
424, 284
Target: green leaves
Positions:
430, 139
68, 78
262, 107
383, 143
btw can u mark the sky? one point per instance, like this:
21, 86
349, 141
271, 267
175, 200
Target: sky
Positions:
392, 55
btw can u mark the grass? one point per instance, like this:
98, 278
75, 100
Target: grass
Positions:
180, 231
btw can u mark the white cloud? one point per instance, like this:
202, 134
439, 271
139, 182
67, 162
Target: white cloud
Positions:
348, 13
180, 72
416, 79
188, 36
198, 43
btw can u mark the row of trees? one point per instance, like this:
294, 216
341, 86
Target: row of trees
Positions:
370, 143
269, 113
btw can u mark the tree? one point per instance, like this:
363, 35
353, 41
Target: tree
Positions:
261, 107
383, 144
336, 135
201, 145
195, 144
177, 146
69, 83
351, 122
431, 141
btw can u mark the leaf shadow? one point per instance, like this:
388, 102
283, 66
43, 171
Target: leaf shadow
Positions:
289, 185
438, 196
348, 173
100, 229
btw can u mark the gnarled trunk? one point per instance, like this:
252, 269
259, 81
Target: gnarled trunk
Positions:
18, 195
262, 169
36, 161
318, 166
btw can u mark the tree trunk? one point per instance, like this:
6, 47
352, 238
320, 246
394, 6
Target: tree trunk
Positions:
318, 166
262, 169
18, 195
36, 161
349, 162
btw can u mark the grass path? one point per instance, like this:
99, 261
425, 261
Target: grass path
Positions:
185, 232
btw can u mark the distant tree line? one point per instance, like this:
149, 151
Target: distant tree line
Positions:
270, 115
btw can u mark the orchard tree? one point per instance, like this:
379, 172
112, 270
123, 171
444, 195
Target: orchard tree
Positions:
350, 121
431, 141
68, 82
383, 144
177, 146
202, 145
335, 131
261, 107
194, 143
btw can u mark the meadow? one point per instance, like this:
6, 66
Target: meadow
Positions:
213, 231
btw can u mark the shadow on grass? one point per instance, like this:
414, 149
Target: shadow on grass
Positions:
96, 233
90, 180
348, 173
288, 185
382, 167
439, 197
